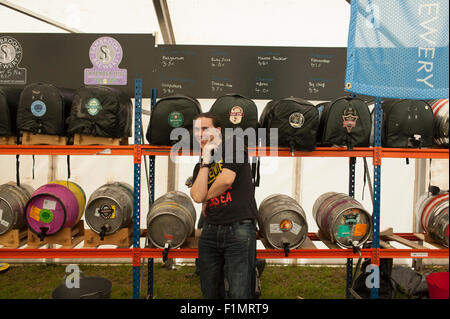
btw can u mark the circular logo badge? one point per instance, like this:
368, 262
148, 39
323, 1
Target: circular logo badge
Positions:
286, 225
236, 114
296, 120
106, 211
176, 119
38, 108
46, 216
105, 53
10, 52
93, 106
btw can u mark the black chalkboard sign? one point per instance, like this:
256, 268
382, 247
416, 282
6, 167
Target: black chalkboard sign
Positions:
256, 72
202, 71
62, 59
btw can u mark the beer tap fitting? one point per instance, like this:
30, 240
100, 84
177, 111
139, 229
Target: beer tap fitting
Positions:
286, 249
43, 232
167, 246
103, 231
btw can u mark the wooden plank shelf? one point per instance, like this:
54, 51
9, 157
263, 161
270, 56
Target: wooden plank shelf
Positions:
14, 238
67, 237
80, 139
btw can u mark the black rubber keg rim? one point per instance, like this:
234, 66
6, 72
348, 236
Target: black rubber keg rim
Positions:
58, 200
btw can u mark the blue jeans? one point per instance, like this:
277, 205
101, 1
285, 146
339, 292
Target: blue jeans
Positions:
227, 252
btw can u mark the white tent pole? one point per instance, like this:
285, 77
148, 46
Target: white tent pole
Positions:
165, 25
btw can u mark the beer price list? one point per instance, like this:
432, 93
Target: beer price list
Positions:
252, 71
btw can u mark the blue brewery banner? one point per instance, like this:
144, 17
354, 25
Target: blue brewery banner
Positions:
398, 49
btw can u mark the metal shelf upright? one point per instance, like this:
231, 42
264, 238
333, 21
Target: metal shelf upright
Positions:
150, 261
137, 188
351, 192
376, 193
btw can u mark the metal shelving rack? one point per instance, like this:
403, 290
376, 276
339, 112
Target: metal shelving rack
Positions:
136, 253
374, 253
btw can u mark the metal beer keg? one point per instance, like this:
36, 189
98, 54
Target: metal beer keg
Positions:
171, 220
433, 215
282, 222
110, 208
13, 200
342, 219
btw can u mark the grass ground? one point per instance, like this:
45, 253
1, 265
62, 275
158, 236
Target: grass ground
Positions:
278, 282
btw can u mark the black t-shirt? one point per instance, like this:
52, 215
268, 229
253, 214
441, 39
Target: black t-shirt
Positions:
238, 201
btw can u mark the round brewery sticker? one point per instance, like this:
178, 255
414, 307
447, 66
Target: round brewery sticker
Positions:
10, 52
106, 211
286, 225
176, 119
296, 120
93, 106
46, 216
106, 53
38, 108
236, 114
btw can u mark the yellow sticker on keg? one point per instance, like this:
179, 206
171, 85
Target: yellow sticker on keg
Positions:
360, 230
34, 213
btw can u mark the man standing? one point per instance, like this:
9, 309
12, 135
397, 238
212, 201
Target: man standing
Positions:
227, 245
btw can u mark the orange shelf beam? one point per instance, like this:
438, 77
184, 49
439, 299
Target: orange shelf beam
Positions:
66, 253
437, 153
318, 152
265, 253
258, 151
263, 151
193, 253
414, 253
67, 150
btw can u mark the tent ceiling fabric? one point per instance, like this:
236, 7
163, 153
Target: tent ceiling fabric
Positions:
97, 16
318, 23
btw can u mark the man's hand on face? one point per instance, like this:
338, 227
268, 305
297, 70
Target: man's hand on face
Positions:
213, 136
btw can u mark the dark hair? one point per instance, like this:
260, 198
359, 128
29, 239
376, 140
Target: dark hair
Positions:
210, 115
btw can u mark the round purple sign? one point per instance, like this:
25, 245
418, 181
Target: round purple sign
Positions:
105, 53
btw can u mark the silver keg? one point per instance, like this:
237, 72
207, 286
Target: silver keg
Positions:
171, 220
110, 208
342, 219
13, 200
440, 112
432, 212
282, 222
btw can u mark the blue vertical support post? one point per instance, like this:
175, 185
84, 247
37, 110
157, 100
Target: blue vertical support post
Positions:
151, 170
376, 194
153, 96
351, 192
137, 188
